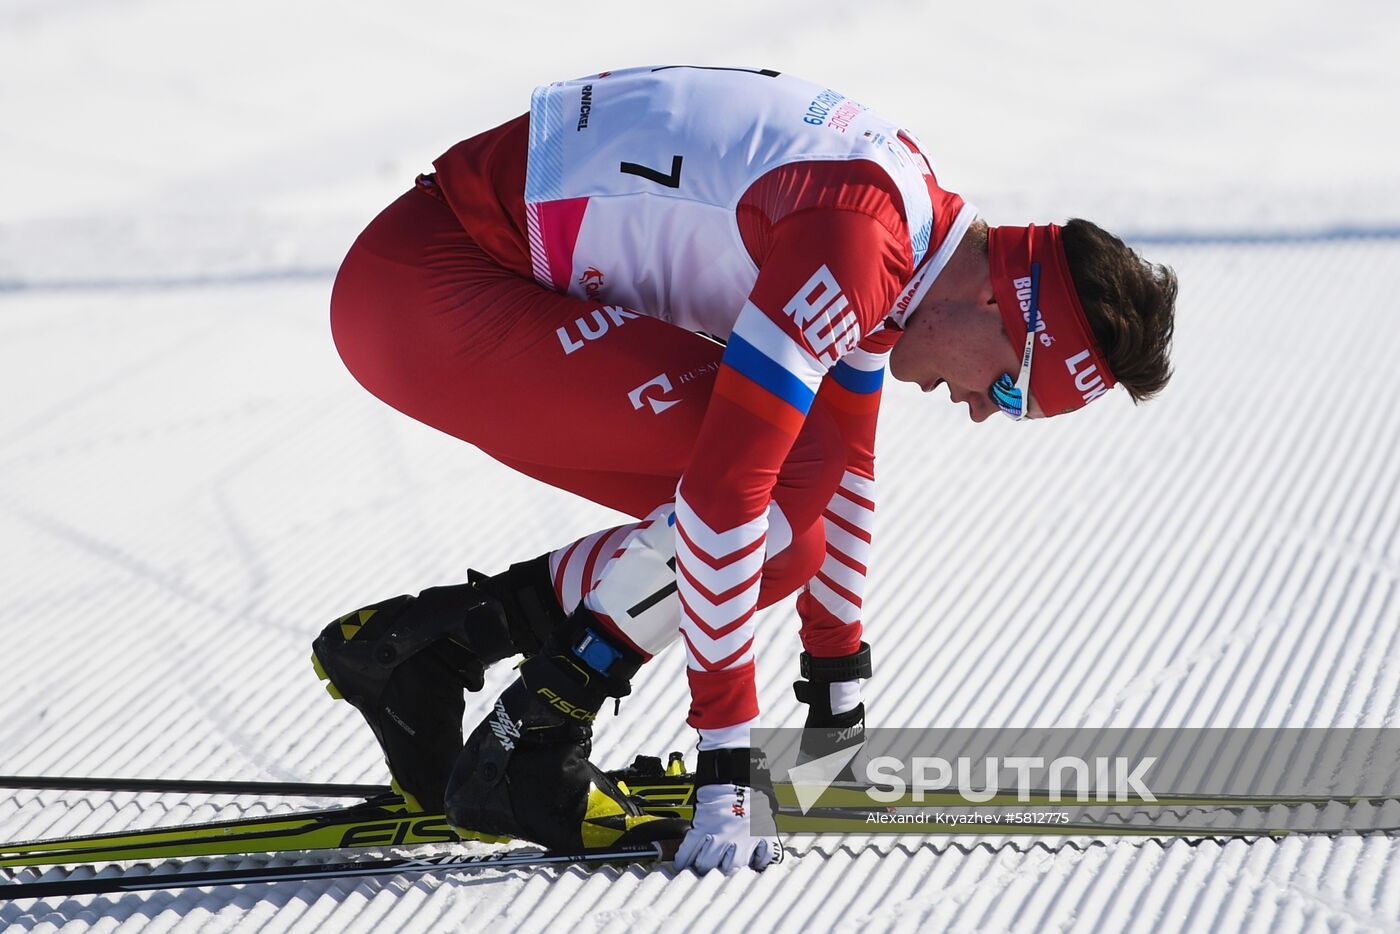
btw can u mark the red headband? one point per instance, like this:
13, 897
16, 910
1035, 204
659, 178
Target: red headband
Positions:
1067, 371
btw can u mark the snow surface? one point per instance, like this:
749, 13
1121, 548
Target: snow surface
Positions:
191, 484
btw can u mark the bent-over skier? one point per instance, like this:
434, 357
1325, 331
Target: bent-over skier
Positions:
674, 291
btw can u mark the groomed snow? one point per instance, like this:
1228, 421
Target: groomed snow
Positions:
191, 484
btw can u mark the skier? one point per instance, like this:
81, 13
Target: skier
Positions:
674, 291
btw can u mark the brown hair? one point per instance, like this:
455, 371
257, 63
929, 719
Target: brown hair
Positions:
1130, 304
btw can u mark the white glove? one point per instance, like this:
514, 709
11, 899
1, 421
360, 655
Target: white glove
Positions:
721, 834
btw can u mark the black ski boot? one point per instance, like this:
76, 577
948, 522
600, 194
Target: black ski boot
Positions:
826, 733
525, 773
404, 663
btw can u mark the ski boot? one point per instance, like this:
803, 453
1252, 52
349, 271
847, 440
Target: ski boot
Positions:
404, 663
826, 733
524, 771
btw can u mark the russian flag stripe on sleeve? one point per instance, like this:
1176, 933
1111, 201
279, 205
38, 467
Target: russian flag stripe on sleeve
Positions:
863, 382
769, 338
756, 400
768, 373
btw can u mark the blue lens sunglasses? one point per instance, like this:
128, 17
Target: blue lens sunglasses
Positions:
1013, 396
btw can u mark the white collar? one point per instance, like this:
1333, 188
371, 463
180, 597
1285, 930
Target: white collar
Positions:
933, 265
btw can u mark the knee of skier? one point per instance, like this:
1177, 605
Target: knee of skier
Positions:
789, 569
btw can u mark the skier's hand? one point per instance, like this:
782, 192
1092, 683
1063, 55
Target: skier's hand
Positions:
733, 827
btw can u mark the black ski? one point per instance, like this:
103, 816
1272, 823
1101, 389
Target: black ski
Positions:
381, 821
165, 786
133, 882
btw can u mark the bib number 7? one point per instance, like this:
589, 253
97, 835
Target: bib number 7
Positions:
673, 180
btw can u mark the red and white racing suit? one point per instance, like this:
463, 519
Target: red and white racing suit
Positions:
672, 291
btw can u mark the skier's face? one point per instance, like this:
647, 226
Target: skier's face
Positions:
959, 342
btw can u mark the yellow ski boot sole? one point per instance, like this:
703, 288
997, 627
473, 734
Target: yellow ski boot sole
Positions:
331, 689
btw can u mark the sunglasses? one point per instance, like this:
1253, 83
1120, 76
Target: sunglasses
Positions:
1013, 396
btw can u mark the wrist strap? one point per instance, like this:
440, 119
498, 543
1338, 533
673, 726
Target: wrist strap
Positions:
843, 668
744, 766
